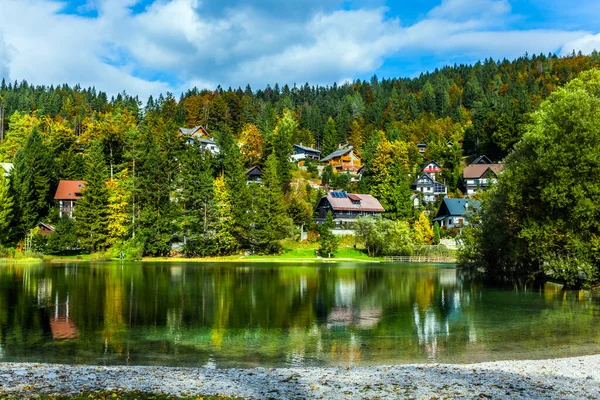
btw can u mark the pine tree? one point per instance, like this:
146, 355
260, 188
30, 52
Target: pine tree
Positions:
272, 223
235, 181
6, 209
284, 132
155, 222
91, 211
197, 196
225, 242
437, 233
428, 98
328, 242
330, 142
33, 180
119, 206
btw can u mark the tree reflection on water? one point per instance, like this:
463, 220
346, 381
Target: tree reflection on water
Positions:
248, 315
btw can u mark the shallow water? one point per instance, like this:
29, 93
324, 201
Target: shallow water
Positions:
246, 315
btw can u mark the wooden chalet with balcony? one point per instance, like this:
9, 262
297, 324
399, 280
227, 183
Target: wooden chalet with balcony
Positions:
430, 188
346, 207
67, 194
344, 159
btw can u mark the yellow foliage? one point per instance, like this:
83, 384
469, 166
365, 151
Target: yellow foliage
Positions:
252, 144
119, 198
423, 232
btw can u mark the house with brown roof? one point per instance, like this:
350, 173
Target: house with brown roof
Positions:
480, 174
346, 207
67, 194
344, 159
199, 136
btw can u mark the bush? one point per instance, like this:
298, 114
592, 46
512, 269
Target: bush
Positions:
131, 250
572, 271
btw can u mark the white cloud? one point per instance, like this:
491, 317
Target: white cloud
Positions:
177, 44
586, 44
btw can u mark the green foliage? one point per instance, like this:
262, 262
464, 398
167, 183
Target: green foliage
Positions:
6, 209
437, 234
64, 239
286, 129
33, 181
544, 214
128, 250
327, 176
330, 140
382, 236
328, 241
91, 211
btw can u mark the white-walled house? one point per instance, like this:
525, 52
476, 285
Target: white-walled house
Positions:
430, 188
454, 213
480, 174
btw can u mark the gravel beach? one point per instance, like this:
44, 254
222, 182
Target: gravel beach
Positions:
566, 378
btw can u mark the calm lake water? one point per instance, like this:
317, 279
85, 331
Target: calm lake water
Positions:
244, 315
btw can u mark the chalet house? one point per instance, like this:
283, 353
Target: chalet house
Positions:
453, 213
253, 175
344, 159
6, 168
346, 207
480, 174
67, 194
430, 188
422, 146
200, 136
301, 153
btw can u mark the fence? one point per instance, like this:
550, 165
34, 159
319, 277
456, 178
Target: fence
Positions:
421, 259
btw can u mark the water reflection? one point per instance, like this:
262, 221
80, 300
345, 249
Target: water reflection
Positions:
241, 315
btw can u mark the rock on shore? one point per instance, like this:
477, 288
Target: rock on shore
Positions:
567, 378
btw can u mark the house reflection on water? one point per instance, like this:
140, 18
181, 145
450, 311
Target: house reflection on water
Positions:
61, 325
253, 315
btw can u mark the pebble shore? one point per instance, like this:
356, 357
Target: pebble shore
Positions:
566, 378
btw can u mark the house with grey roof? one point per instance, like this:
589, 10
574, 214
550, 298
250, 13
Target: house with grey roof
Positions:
302, 152
454, 213
346, 207
199, 136
430, 188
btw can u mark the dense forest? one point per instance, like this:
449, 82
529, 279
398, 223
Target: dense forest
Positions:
147, 189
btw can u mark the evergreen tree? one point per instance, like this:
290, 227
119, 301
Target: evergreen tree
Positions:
33, 181
428, 98
6, 209
328, 242
271, 223
154, 225
197, 196
422, 230
225, 242
91, 211
330, 142
437, 233
282, 148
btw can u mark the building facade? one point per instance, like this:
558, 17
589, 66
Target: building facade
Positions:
67, 194
346, 208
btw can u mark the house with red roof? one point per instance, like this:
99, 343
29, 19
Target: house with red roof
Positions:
67, 194
346, 207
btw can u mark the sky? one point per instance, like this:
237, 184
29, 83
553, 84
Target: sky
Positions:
146, 47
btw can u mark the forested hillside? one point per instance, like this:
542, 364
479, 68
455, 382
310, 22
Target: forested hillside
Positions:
157, 190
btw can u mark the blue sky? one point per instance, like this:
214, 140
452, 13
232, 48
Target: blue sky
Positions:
151, 46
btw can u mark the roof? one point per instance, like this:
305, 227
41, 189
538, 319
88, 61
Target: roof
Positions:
482, 160
438, 187
306, 148
254, 171
199, 129
338, 153
436, 167
475, 171
69, 190
47, 226
340, 201
422, 144
456, 207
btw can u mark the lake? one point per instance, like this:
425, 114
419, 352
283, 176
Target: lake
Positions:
247, 315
